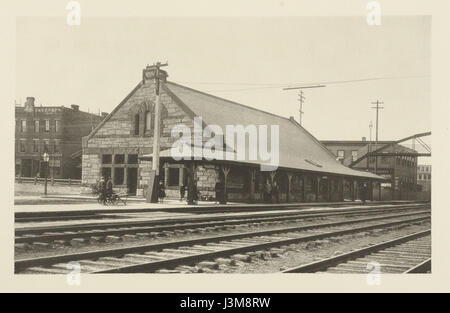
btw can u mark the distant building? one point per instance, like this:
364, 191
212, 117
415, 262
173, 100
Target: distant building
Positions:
56, 130
395, 162
424, 177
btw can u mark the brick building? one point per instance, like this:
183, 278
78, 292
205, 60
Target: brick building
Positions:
424, 177
396, 163
121, 147
55, 130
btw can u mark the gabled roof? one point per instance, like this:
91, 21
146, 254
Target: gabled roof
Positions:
298, 148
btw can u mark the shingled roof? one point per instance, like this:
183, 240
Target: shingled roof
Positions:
298, 148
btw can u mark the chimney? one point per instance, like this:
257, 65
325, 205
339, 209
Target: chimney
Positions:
29, 104
363, 138
75, 107
149, 74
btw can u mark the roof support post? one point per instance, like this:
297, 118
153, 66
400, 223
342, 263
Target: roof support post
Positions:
329, 188
288, 191
190, 169
317, 188
225, 170
303, 188
252, 173
352, 189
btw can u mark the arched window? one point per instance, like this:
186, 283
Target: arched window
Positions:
136, 124
148, 120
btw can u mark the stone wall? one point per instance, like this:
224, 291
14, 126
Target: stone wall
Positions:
207, 175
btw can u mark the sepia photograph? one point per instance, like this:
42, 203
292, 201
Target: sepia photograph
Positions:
190, 145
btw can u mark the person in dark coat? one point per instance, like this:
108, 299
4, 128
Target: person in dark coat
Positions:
276, 192
108, 188
364, 191
101, 189
219, 192
267, 191
161, 192
182, 192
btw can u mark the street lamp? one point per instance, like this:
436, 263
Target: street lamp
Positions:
46, 158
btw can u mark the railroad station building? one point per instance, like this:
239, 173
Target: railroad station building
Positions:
56, 130
395, 162
120, 147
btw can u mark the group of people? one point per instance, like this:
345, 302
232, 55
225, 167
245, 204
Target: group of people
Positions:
192, 192
105, 189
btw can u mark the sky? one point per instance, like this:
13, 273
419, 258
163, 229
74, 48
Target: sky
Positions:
247, 60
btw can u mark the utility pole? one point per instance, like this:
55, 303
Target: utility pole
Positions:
301, 98
370, 143
152, 194
377, 107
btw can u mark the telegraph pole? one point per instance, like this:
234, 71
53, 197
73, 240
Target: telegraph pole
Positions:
152, 194
377, 107
301, 98
370, 142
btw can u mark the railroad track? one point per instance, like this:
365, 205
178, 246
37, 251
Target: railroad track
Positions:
23, 217
408, 254
63, 235
182, 254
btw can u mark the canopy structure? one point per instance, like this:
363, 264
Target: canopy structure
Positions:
298, 149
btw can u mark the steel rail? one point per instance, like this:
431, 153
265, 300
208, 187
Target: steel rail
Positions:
61, 215
231, 222
89, 226
322, 265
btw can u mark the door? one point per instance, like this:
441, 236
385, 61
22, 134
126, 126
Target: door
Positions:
132, 180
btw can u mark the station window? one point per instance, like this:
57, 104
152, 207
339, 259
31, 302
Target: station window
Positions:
36, 126
148, 120
354, 155
341, 154
119, 158
132, 159
106, 159
118, 175
57, 125
174, 174
47, 126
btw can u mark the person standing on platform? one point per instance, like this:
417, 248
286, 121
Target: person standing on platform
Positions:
364, 190
219, 192
161, 192
267, 192
182, 192
276, 192
108, 189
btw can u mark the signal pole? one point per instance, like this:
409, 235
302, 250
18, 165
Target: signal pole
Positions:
377, 107
152, 194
